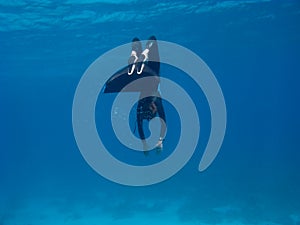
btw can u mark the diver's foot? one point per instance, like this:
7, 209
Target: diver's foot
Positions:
131, 62
136, 47
141, 62
150, 42
144, 55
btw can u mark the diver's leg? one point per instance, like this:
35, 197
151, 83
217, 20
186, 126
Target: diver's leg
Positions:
153, 55
136, 47
140, 126
162, 115
141, 61
151, 45
140, 121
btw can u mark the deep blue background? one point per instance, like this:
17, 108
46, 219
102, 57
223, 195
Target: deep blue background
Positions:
253, 48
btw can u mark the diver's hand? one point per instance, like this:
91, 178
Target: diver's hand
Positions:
159, 145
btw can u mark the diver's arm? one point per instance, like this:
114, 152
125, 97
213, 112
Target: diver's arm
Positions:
140, 129
141, 132
140, 125
162, 115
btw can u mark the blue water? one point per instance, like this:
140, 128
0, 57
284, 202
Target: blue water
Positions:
253, 48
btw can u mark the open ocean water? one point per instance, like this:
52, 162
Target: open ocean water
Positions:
252, 47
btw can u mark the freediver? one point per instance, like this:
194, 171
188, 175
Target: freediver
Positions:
150, 101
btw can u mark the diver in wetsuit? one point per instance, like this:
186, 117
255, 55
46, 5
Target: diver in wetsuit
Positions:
147, 63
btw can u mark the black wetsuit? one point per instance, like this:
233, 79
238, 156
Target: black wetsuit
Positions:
121, 81
144, 111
